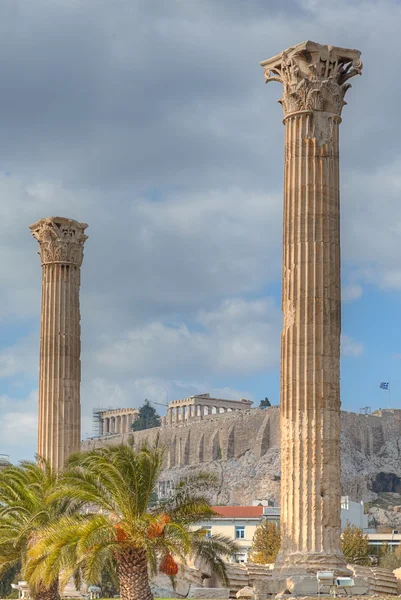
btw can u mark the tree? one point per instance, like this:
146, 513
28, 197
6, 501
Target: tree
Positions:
390, 559
109, 584
8, 577
147, 418
266, 543
26, 506
265, 403
355, 545
122, 529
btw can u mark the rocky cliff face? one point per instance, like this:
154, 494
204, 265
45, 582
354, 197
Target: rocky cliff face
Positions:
243, 450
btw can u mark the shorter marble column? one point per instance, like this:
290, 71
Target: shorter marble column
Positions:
61, 243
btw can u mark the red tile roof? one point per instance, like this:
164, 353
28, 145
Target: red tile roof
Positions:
239, 512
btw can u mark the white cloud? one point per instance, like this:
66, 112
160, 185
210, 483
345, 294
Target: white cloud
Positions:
19, 425
351, 292
372, 224
350, 347
21, 357
240, 337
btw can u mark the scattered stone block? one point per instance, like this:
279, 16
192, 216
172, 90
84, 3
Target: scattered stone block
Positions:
246, 592
209, 593
260, 589
361, 586
162, 588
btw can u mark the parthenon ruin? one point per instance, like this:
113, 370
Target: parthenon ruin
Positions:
200, 406
115, 420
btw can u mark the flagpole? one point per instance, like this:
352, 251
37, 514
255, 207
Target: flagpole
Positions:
389, 394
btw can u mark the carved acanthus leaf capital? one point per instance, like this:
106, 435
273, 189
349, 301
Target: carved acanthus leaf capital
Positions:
61, 240
314, 76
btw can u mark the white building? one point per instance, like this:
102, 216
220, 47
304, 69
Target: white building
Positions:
240, 522
353, 513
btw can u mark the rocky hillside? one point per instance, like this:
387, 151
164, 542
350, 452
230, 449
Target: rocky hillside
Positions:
243, 450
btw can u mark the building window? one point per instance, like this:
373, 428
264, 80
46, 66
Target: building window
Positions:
240, 533
208, 532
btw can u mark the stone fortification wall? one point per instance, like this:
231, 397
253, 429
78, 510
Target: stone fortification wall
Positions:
214, 437
243, 449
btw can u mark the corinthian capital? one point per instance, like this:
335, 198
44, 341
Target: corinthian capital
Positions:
61, 240
314, 76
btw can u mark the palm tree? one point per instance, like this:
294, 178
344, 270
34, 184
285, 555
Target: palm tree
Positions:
26, 506
120, 527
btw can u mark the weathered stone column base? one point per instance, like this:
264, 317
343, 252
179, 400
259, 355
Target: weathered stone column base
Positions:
302, 585
303, 563
296, 575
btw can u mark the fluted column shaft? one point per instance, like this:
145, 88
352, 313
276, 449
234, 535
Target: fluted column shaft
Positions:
60, 372
310, 351
61, 250
314, 79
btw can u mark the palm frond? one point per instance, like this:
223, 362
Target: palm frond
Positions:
212, 552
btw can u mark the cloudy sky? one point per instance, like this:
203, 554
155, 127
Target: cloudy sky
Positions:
150, 121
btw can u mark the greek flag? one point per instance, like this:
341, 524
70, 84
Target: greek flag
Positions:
384, 385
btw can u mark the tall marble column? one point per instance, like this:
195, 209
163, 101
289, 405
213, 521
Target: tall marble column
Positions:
61, 244
315, 79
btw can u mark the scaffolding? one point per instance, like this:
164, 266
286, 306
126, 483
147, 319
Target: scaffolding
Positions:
97, 421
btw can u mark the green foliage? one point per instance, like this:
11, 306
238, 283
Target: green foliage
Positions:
117, 483
26, 507
147, 419
390, 559
109, 584
355, 545
9, 577
265, 403
219, 453
265, 543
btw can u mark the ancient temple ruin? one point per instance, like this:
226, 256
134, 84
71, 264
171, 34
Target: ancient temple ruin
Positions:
315, 79
200, 406
61, 244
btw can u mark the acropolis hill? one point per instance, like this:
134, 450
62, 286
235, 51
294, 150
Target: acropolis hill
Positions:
243, 448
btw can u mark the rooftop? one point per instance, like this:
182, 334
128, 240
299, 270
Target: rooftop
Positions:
238, 511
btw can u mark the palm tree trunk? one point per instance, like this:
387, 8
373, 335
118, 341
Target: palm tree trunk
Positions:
47, 593
133, 575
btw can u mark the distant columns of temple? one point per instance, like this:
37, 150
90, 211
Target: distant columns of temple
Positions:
198, 407
118, 421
